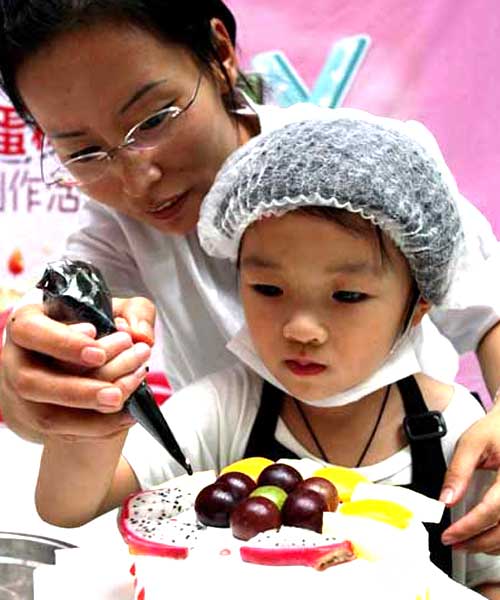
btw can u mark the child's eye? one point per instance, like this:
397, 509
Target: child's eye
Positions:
267, 290
349, 297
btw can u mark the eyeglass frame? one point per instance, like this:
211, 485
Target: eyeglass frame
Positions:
127, 142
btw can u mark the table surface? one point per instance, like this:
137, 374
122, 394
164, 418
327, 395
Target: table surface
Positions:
19, 461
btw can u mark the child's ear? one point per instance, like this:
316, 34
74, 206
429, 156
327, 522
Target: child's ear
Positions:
227, 56
422, 308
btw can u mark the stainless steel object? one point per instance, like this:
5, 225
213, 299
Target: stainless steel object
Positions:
20, 554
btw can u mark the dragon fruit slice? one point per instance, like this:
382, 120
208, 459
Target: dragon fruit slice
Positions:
158, 522
294, 546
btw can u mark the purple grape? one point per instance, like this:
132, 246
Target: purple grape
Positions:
254, 515
240, 484
281, 475
304, 508
214, 504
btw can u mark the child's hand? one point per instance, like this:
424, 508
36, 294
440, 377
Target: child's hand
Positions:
136, 316
478, 448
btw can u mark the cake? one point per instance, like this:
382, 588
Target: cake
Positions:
374, 545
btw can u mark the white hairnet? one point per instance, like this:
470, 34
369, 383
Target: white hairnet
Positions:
377, 171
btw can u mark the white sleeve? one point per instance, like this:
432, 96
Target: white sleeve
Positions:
211, 419
472, 305
102, 240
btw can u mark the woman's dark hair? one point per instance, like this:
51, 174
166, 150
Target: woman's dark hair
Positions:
27, 25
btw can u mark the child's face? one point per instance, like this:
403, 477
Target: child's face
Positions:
323, 306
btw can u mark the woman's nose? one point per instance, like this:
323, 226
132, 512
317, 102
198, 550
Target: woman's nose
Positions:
137, 171
305, 329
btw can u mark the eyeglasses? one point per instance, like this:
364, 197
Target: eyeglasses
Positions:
92, 166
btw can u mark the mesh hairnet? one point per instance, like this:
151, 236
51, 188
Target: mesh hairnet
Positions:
377, 171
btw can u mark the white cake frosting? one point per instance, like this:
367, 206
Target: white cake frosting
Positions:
392, 564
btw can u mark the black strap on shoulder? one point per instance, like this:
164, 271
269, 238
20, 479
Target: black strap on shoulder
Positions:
262, 441
424, 430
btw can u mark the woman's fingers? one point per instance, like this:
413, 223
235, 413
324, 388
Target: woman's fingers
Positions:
139, 313
487, 542
85, 328
56, 420
34, 381
59, 379
128, 361
478, 530
32, 330
35, 421
478, 448
466, 458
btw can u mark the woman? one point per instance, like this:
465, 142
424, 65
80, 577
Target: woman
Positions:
138, 100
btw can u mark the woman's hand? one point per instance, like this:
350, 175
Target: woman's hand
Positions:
478, 448
51, 374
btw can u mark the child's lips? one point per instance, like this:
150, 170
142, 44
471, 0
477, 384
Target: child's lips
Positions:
304, 367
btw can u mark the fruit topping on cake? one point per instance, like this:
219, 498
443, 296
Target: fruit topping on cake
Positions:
344, 479
385, 511
280, 475
254, 515
282, 497
276, 514
252, 466
214, 504
295, 546
157, 522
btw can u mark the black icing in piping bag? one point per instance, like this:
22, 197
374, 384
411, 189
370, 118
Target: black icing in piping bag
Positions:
75, 292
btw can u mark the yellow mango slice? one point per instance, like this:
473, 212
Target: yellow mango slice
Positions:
384, 511
252, 466
344, 479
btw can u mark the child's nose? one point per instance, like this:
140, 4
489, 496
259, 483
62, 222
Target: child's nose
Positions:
305, 329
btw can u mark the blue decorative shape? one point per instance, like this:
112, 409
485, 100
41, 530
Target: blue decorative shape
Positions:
339, 71
332, 84
286, 84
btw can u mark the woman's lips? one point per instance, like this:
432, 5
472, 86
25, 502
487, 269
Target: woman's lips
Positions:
169, 209
304, 368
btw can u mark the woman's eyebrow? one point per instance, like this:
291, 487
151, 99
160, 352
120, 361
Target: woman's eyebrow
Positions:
61, 135
140, 93
64, 134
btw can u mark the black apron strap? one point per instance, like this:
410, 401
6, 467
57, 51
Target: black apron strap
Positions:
424, 430
262, 441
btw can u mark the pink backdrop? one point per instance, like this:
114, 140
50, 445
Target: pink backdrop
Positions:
434, 61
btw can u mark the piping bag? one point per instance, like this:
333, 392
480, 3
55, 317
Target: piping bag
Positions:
75, 292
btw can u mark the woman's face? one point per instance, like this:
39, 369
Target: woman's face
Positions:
322, 304
88, 88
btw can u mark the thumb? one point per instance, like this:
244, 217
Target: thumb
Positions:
465, 460
140, 314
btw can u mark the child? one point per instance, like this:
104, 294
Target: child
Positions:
345, 233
